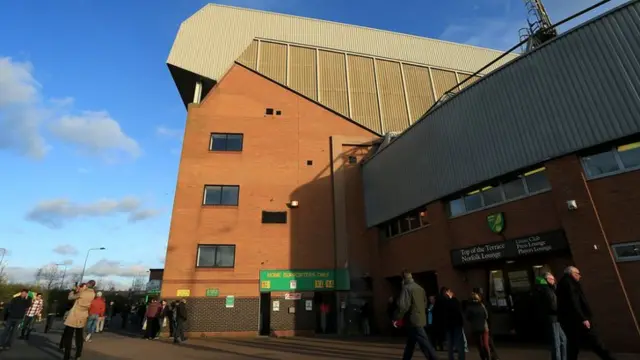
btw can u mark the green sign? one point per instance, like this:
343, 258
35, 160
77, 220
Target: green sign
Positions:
230, 301
212, 292
496, 222
304, 280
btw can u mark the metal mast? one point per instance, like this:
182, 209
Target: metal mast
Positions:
540, 29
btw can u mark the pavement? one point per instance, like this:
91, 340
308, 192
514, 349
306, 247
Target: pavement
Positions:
124, 346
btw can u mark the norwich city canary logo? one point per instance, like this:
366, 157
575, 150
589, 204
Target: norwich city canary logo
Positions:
496, 222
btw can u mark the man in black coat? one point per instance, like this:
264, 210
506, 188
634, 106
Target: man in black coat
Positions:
574, 315
548, 300
14, 314
180, 314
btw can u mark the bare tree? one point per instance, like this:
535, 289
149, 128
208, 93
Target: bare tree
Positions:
47, 276
3, 274
138, 284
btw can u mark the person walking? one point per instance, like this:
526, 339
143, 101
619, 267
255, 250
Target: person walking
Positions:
152, 315
180, 314
14, 314
478, 316
548, 300
413, 302
168, 314
453, 324
96, 311
34, 311
365, 318
76, 321
574, 315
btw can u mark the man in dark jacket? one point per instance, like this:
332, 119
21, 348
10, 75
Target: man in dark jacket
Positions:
180, 315
574, 314
14, 313
453, 323
546, 288
413, 302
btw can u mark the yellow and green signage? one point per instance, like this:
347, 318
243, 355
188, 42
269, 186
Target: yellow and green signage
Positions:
304, 280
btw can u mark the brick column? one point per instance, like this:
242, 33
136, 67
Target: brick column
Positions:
440, 249
603, 286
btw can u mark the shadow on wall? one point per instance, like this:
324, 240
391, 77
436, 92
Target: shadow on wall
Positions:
298, 298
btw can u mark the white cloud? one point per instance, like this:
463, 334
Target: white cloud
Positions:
65, 250
24, 111
168, 132
20, 115
94, 132
55, 213
106, 267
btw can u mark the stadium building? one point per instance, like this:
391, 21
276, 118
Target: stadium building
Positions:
310, 173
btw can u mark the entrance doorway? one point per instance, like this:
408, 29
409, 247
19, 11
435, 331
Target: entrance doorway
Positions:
326, 300
265, 314
515, 311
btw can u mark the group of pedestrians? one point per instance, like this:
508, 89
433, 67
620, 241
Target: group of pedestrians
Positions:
21, 312
443, 318
157, 315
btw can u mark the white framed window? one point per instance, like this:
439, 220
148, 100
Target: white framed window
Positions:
626, 251
216, 256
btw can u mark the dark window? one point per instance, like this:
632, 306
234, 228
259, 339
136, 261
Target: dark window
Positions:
514, 188
216, 256
424, 217
309, 162
269, 111
630, 155
492, 194
537, 181
473, 201
221, 195
627, 251
353, 160
226, 142
393, 228
278, 112
456, 207
600, 164
274, 217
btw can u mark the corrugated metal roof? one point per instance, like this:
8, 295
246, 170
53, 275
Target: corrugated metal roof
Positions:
578, 91
214, 37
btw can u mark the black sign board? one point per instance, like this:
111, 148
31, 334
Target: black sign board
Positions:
511, 249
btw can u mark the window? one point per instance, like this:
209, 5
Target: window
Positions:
611, 161
274, 217
226, 142
278, 112
407, 222
514, 188
269, 111
626, 251
216, 256
510, 188
492, 194
537, 181
352, 160
309, 162
221, 195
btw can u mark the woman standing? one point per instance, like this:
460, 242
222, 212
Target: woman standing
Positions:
477, 317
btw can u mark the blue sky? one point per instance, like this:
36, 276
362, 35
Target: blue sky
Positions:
91, 122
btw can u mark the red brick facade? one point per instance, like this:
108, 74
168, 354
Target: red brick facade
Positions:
303, 154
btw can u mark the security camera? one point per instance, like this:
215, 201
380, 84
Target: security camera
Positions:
572, 205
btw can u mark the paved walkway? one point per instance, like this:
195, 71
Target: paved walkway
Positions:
111, 346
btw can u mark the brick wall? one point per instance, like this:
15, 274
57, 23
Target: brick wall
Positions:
210, 315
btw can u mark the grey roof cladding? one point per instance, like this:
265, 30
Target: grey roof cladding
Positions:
580, 90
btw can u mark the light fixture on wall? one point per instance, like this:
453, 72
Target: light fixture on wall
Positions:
572, 205
293, 204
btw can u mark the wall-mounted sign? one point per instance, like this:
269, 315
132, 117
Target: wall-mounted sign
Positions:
511, 249
496, 222
212, 292
308, 305
183, 293
304, 280
230, 301
292, 296
276, 305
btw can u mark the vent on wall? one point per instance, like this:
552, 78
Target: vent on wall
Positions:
274, 217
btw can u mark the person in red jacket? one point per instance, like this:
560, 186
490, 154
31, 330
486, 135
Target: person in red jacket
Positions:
96, 311
153, 317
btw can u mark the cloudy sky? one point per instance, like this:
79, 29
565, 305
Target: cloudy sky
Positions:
91, 122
